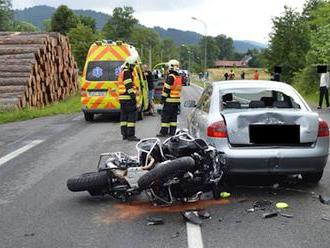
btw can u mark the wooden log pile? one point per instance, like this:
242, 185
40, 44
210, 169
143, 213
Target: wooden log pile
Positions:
35, 69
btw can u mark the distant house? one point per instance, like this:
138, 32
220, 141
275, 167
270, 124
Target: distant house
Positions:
229, 63
232, 63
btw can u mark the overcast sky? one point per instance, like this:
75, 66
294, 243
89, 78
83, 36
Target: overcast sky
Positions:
239, 19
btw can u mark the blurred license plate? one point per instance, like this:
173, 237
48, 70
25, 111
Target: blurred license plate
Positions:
97, 93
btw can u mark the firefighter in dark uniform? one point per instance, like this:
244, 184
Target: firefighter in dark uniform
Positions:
127, 98
171, 100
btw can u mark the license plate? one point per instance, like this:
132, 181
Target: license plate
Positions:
97, 93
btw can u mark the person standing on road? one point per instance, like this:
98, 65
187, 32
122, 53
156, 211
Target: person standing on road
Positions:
171, 99
324, 85
150, 79
256, 75
127, 98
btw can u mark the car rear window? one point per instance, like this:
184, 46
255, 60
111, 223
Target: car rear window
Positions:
103, 70
258, 98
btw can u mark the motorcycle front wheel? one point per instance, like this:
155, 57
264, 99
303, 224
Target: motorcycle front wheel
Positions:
166, 169
93, 182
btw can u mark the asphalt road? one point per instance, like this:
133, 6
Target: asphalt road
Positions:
37, 210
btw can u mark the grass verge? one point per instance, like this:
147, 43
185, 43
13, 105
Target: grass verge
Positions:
67, 106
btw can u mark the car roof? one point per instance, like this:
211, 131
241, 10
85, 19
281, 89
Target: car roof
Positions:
249, 84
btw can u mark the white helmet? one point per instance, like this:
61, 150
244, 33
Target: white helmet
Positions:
131, 60
173, 64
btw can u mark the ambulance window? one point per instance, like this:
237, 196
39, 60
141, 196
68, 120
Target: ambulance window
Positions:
103, 70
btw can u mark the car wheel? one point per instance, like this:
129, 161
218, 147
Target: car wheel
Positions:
312, 177
89, 116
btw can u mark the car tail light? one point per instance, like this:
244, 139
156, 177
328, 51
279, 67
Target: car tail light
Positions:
323, 128
217, 130
83, 93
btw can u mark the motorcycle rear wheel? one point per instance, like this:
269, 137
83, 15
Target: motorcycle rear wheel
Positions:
166, 169
91, 181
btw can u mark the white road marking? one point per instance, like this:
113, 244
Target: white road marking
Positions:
77, 118
194, 236
19, 151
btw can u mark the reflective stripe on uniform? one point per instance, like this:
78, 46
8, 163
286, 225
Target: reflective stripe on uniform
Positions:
164, 94
130, 124
166, 85
131, 91
125, 97
165, 124
173, 124
174, 100
123, 123
127, 81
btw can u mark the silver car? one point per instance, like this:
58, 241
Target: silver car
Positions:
264, 127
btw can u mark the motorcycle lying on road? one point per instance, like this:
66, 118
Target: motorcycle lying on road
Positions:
179, 169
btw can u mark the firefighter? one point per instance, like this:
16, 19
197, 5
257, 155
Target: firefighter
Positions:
127, 98
171, 100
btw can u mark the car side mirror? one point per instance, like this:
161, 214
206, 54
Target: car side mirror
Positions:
190, 104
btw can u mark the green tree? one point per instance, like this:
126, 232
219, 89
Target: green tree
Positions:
81, 37
63, 20
23, 27
168, 50
88, 21
225, 46
289, 43
212, 50
46, 25
145, 40
307, 79
121, 24
6, 15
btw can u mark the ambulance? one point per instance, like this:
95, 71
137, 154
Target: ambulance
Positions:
99, 82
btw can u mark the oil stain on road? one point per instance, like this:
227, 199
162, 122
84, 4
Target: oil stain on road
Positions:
133, 210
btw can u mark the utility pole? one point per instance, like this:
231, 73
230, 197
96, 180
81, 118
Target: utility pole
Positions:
205, 47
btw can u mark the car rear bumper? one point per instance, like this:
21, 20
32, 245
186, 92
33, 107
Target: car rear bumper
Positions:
101, 111
275, 160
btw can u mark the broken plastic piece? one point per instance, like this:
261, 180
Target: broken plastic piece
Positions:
286, 215
177, 234
325, 218
324, 199
204, 214
154, 221
269, 215
250, 210
192, 217
282, 205
276, 186
224, 194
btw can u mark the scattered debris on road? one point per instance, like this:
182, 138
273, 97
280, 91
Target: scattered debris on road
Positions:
192, 217
326, 218
286, 215
204, 214
282, 205
262, 204
152, 221
269, 215
225, 194
29, 234
324, 199
177, 234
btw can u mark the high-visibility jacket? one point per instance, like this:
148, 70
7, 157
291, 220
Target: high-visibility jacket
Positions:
172, 88
126, 86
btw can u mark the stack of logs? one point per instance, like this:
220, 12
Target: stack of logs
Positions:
35, 69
